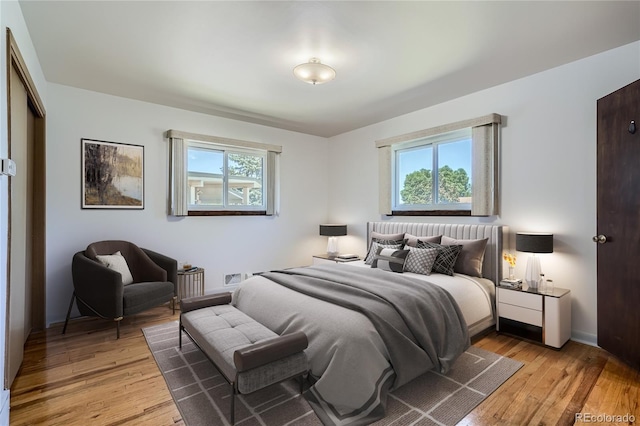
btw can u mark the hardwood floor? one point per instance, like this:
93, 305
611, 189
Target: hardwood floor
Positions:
87, 377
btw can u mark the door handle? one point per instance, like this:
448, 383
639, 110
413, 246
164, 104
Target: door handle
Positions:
600, 239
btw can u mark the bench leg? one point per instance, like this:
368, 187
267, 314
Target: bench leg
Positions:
233, 404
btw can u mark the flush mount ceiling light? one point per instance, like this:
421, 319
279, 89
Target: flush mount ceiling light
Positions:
314, 72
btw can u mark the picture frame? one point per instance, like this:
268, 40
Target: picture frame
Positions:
112, 175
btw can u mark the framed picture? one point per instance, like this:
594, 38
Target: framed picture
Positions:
112, 175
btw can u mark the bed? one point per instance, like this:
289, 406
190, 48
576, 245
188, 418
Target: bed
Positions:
363, 345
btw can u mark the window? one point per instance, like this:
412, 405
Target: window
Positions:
417, 187
212, 176
222, 180
446, 170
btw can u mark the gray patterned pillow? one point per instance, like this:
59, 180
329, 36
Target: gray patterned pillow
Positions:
391, 260
420, 260
375, 243
447, 256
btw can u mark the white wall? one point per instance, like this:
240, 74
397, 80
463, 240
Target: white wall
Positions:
219, 244
548, 166
11, 17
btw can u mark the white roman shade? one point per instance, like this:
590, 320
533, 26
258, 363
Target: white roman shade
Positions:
178, 185
485, 147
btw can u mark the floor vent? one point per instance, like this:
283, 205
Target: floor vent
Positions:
232, 279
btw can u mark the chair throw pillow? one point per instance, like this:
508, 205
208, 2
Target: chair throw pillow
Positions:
118, 263
388, 259
447, 256
420, 260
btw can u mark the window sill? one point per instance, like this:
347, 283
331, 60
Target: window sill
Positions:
227, 213
430, 213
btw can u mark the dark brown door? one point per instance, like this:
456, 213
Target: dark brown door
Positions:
619, 223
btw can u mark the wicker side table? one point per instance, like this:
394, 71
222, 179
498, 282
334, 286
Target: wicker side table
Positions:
190, 283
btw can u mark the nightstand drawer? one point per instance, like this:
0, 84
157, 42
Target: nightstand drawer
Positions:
520, 298
540, 317
517, 313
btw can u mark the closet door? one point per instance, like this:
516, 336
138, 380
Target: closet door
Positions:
618, 238
21, 192
26, 266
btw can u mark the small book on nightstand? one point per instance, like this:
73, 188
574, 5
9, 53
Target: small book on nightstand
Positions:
511, 283
347, 256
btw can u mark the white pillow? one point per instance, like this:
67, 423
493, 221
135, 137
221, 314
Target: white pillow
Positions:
118, 263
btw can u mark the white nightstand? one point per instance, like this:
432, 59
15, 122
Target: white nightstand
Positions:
543, 318
319, 259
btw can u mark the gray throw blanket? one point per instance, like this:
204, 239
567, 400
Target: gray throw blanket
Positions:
420, 323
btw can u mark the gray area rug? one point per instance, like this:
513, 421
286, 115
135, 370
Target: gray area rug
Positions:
202, 395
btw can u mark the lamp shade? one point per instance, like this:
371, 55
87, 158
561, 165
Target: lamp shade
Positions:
314, 72
531, 242
331, 230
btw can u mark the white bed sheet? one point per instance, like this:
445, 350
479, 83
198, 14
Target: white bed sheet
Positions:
475, 296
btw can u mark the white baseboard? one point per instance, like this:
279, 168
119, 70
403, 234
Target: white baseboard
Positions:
4, 407
586, 338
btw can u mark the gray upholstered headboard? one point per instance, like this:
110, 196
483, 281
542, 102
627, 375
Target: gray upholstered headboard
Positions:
493, 264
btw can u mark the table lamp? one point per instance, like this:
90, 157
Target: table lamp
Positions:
531, 242
333, 231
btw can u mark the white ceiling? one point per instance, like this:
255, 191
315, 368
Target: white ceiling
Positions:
235, 59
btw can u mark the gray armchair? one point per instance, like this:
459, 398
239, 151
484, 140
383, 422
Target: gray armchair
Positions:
99, 290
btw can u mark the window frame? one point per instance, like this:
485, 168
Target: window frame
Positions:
434, 142
178, 189
200, 210
485, 190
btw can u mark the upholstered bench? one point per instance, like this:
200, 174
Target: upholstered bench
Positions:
247, 354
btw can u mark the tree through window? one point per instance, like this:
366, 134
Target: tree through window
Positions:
418, 188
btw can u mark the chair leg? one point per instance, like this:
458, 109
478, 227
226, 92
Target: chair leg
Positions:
180, 333
117, 320
66, 321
